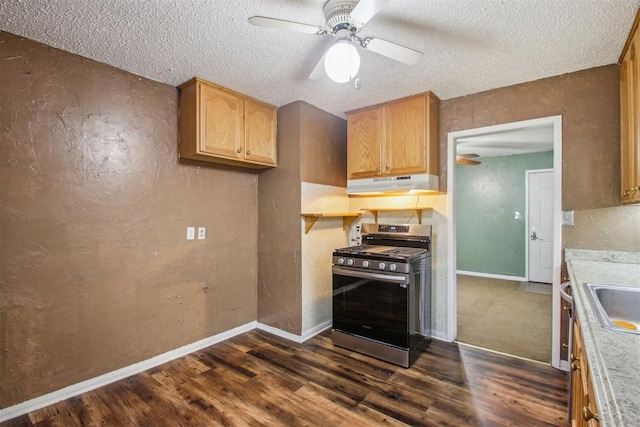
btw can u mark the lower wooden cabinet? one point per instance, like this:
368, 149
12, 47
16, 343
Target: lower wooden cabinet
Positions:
583, 405
565, 328
221, 126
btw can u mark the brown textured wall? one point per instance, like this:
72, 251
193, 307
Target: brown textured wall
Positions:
323, 155
279, 241
616, 228
588, 102
311, 148
95, 270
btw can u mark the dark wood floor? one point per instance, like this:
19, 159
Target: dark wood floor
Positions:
259, 379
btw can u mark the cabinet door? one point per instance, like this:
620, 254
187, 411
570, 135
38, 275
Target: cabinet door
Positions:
220, 122
405, 142
259, 132
582, 397
364, 143
629, 119
578, 398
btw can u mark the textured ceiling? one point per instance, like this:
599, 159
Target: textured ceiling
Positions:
507, 143
470, 45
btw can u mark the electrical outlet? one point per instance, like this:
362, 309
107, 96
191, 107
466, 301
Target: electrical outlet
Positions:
567, 217
201, 233
191, 233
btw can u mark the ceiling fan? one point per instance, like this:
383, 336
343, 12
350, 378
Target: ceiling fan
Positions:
344, 19
465, 159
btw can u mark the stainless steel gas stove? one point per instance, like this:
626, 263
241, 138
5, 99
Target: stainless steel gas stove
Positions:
382, 292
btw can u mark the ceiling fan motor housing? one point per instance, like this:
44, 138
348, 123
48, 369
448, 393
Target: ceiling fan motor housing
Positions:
337, 13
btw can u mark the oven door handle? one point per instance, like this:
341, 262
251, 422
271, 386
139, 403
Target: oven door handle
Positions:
394, 278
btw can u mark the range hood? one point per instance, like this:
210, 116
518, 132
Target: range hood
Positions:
393, 184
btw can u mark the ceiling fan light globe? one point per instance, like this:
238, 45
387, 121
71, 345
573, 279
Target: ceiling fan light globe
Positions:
342, 62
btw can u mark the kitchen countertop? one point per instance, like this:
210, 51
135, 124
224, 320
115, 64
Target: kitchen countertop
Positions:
613, 357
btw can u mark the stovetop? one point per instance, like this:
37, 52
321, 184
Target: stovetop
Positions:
386, 247
391, 252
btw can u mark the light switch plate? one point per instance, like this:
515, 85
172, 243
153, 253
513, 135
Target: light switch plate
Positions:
191, 233
567, 217
201, 233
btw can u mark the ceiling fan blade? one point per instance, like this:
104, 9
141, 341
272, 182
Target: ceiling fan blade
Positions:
367, 9
467, 156
262, 21
467, 162
393, 51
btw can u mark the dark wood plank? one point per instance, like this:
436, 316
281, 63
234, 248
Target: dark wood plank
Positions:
260, 379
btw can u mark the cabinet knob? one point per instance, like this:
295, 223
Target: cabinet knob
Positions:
248, 152
565, 345
238, 150
575, 366
388, 167
588, 415
378, 168
573, 357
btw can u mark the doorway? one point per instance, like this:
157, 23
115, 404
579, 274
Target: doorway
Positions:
477, 135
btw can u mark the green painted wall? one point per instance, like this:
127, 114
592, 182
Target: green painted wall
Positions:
489, 239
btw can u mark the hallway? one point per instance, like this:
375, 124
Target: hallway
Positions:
505, 316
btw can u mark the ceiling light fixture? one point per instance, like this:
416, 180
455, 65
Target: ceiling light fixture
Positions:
342, 61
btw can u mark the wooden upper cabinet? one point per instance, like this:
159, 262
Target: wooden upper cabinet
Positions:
364, 143
630, 118
405, 137
259, 132
221, 116
396, 138
222, 126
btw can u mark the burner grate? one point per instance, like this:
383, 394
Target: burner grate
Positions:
386, 251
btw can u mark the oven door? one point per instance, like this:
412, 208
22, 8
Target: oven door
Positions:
373, 305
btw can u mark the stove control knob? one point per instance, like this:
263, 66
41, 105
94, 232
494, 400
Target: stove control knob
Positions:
350, 261
365, 263
382, 266
393, 267
340, 261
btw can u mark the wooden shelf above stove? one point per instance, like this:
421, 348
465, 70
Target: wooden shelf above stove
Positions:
375, 211
310, 218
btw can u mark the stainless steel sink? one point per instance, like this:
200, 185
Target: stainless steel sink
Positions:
615, 303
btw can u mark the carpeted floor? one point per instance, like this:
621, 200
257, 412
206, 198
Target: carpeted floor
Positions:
504, 316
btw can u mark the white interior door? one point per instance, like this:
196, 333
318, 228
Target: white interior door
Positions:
540, 223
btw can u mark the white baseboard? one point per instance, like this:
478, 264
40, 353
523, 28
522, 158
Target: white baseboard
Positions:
293, 337
110, 377
279, 332
492, 276
315, 331
440, 336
